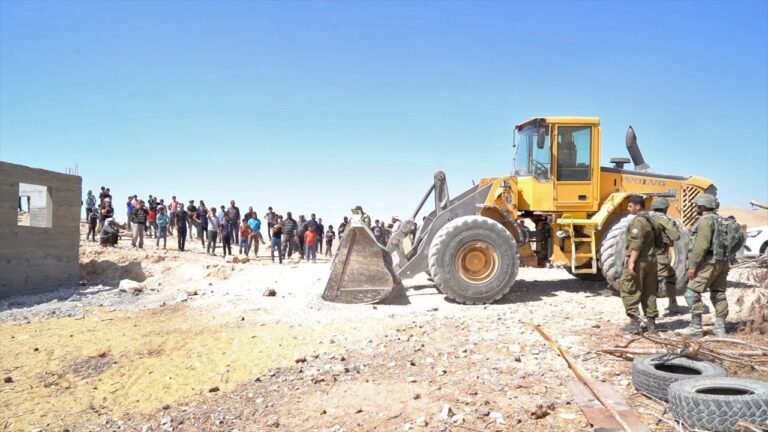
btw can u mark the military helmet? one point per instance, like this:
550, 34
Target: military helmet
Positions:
706, 200
659, 203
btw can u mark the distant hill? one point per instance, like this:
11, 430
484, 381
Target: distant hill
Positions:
752, 218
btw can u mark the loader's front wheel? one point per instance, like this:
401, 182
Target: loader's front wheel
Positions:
473, 260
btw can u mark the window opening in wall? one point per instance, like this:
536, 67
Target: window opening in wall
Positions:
35, 206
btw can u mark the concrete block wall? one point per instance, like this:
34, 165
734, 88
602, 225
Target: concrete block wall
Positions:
35, 259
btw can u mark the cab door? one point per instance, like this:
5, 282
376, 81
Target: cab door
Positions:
576, 167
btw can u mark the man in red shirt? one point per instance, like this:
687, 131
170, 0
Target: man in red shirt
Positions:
152, 222
310, 245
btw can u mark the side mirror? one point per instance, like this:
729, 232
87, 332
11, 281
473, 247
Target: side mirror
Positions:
541, 138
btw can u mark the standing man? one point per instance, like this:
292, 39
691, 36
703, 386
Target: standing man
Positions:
705, 270
343, 226
213, 231
162, 226
320, 235
271, 218
202, 220
140, 216
301, 229
254, 223
129, 211
90, 204
312, 223
310, 237
102, 195
671, 234
191, 213
277, 233
289, 235
639, 280
248, 214
173, 208
234, 217
181, 231
329, 236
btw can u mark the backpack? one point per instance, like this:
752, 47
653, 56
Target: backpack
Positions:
671, 230
728, 238
658, 231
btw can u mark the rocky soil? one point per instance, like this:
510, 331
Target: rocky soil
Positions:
161, 341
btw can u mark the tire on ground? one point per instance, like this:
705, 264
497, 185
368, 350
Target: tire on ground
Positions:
718, 403
612, 259
463, 232
652, 375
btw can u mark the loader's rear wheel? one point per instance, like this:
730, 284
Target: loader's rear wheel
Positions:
473, 260
612, 257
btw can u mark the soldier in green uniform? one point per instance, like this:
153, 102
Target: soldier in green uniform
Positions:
639, 280
671, 234
704, 272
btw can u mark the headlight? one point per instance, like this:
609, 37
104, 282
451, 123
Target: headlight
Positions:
753, 233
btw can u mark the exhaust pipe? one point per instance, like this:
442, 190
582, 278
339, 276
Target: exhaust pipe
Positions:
634, 151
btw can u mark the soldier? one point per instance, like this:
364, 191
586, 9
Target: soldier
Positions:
704, 272
639, 281
671, 234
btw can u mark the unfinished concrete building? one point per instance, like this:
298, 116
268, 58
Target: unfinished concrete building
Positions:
39, 229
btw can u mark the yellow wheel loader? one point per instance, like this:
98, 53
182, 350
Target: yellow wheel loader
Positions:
559, 208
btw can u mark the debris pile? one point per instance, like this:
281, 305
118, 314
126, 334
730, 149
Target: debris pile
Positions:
733, 354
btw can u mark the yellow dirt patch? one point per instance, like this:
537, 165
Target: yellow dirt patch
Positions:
69, 372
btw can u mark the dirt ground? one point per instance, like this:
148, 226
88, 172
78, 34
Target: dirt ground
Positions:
751, 217
188, 342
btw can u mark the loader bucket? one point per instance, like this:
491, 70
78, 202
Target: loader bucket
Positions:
361, 271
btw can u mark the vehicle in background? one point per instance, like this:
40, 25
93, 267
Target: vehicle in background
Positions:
757, 241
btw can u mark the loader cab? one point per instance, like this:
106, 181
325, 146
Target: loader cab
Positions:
557, 164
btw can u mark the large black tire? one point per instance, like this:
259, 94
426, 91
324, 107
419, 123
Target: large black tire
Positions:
473, 237
717, 404
652, 375
612, 259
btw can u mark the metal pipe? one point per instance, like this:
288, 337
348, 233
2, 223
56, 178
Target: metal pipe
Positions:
423, 200
634, 151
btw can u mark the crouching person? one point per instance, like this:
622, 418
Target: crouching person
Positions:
109, 233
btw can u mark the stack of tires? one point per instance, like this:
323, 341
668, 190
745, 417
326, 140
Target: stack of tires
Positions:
700, 394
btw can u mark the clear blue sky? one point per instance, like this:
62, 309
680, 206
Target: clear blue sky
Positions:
318, 106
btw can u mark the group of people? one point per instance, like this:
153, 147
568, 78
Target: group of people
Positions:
649, 236
226, 226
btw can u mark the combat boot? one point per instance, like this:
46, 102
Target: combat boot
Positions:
694, 330
719, 329
672, 308
651, 325
633, 326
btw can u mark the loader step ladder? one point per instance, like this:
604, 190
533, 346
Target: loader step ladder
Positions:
569, 223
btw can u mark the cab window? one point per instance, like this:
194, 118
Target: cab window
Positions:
574, 153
